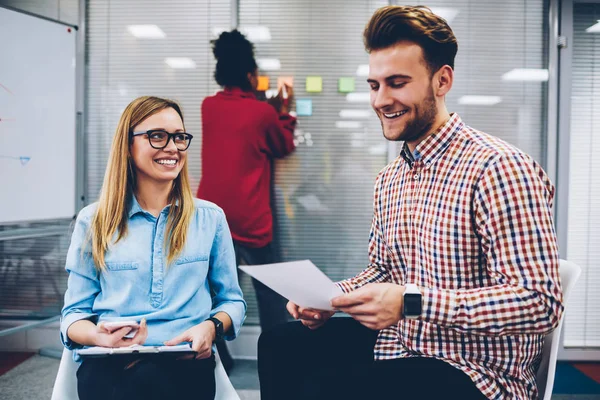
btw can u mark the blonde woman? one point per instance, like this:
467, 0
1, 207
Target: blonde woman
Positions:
149, 252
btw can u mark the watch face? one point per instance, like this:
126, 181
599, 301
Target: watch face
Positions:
412, 305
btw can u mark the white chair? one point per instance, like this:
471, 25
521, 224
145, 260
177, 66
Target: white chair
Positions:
569, 274
65, 386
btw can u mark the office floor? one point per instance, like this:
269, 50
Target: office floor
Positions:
30, 376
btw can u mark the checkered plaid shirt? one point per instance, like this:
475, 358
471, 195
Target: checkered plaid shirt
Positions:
467, 218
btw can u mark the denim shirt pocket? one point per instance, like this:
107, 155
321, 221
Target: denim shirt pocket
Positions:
121, 266
192, 266
191, 259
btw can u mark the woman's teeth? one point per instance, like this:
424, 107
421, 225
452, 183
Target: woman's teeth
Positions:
166, 162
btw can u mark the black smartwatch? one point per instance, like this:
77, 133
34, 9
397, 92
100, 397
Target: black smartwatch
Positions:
413, 302
218, 328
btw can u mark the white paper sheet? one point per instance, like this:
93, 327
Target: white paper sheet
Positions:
298, 281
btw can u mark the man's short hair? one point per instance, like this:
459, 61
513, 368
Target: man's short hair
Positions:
392, 24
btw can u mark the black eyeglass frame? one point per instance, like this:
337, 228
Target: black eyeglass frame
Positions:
170, 136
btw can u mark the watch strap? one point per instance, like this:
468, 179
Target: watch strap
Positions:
411, 288
218, 328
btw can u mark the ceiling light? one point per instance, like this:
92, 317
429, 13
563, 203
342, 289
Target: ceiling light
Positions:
445, 12
348, 124
269, 64
474, 100
594, 28
180, 62
362, 70
358, 97
526, 74
355, 113
256, 33
146, 31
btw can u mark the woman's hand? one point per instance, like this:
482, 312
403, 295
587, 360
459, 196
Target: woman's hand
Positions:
201, 336
106, 338
281, 102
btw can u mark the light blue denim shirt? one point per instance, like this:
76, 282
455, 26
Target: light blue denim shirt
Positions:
137, 283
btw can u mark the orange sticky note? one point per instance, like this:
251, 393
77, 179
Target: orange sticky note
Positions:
263, 83
288, 80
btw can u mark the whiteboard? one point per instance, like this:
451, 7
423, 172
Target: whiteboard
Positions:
37, 118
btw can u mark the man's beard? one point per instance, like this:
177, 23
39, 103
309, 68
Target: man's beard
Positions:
420, 124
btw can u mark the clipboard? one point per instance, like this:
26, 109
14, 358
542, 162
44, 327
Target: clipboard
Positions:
135, 349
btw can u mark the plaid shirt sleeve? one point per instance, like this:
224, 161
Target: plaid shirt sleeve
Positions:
379, 256
513, 218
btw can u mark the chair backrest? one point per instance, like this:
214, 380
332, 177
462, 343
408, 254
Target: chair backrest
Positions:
65, 385
569, 274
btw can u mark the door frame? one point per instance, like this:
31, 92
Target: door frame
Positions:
559, 135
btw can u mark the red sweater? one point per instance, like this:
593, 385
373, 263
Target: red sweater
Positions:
240, 138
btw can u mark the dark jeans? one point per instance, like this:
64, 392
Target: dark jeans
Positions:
153, 377
271, 306
336, 362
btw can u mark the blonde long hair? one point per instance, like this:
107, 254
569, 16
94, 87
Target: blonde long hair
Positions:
120, 182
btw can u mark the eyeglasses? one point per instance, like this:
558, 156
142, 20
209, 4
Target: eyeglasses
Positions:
159, 139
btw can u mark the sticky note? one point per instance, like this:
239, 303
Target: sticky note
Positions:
263, 83
304, 107
346, 85
314, 84
288, 80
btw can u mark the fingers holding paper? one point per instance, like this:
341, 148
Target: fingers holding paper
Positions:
310, 317
201, 336
375, 305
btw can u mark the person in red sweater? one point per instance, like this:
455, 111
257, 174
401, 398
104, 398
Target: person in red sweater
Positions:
241, 136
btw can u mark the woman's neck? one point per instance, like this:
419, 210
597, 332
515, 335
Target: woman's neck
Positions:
153, 196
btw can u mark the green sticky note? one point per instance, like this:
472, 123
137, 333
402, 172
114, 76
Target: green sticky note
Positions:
314, 84
346, 85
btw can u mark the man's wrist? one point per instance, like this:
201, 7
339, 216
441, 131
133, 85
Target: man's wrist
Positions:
400, 298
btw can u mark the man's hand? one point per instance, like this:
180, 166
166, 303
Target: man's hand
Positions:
375, 305
202, 337
309, 317
107, 338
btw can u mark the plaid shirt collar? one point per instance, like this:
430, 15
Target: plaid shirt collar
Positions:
434, 145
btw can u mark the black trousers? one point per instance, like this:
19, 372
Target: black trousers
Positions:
153, 377
271, 306
336, 362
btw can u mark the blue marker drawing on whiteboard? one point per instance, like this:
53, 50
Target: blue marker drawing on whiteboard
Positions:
24, 159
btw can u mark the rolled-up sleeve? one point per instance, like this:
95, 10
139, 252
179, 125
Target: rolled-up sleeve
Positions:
83, 283
224, 281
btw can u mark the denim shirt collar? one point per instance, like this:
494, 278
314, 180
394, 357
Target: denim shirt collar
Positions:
136, 208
